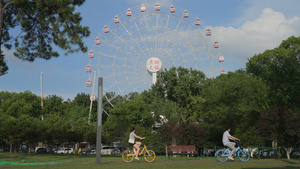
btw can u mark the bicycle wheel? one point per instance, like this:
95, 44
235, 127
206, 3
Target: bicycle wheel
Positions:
244, 155
220, 155
127, 156
149, 156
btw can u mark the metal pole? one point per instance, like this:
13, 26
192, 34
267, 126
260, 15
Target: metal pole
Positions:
42, 93
99, 120
42, 116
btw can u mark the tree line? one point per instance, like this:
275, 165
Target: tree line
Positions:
260, 104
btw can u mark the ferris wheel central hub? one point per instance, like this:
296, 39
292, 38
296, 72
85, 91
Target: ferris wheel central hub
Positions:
153, 65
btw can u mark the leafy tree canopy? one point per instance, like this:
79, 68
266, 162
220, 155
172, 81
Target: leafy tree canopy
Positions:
280, 69
181, 86
42, 23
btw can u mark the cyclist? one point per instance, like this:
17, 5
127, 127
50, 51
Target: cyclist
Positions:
133, 143
226, 141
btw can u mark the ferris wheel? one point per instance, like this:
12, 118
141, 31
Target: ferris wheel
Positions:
142, 41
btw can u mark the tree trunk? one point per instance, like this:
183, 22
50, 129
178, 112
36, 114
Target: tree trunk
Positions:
288, 156
1, 32
1, 21
10, 146
288, 152
2, 9
166, 148
274, 147
173, 143
2, 61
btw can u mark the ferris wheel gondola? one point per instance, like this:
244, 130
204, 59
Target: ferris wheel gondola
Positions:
222, 71
185, 14
88, 68
216, 44
208, 32
97, 41
157, 7
116, 19
88, 83
128, 12
172, 8
221, 58
197, 21
91, 54
105, 29
143, 8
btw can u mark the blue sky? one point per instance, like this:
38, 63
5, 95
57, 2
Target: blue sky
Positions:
243, 27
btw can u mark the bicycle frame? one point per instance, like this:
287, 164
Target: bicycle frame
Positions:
223, 154
227, 151
141, 151
144, 149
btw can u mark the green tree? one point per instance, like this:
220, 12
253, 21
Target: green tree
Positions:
82, 99
279, 68
275, 125
54, 130
293, 126
32, 130
175, 98
91, 134
109, 101
10, 131
181, 86
19, 113
77, 118
125, 115
16, 104
53, 105
236, 100
43, 24
292, 131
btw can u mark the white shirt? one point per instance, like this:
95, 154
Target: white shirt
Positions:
131, 138
225, 139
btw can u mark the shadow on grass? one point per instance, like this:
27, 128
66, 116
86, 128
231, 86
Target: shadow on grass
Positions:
289, 162
286, 167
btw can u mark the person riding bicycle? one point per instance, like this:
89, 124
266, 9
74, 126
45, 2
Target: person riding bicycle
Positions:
133, 143
226, 141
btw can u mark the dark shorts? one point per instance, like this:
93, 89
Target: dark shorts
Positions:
131, 144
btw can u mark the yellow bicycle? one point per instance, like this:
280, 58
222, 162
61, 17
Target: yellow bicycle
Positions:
128, 155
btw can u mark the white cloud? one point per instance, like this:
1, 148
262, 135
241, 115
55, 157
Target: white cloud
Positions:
288, 7
253, 37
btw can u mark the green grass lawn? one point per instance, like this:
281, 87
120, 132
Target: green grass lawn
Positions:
115, 162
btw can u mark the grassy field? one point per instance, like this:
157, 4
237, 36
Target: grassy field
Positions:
115, 162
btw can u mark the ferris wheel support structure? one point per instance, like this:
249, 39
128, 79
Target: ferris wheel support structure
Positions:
160, 34
92, 98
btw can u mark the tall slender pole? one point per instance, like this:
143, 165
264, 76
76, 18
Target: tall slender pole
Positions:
99, 120
42, 116
42, 94
91, 105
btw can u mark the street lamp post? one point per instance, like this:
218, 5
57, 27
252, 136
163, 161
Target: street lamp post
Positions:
42, 93
99, 120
